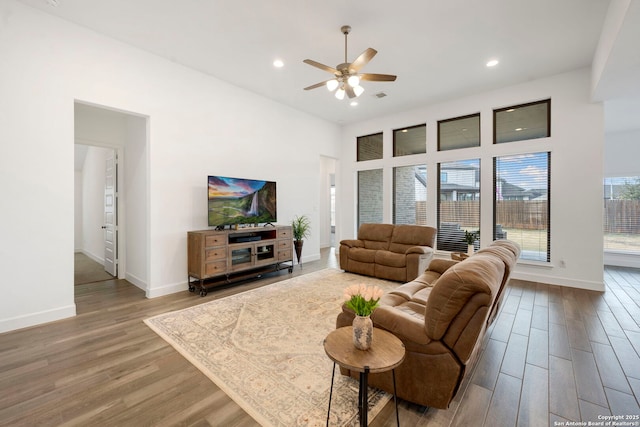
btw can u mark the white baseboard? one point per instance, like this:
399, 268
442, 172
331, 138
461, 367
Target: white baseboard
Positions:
139, 283
33, 319
166, 290
620, 259
93, 256
559, 281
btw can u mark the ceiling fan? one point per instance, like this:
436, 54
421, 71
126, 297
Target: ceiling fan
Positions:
346, 75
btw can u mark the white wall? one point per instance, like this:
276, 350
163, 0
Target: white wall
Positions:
576, 146
621, 153
134, 204
198, 125
77, 211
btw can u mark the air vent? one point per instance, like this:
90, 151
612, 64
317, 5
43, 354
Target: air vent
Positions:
380, 95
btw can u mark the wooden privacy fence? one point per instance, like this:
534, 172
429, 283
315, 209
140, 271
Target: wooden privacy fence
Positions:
520, 214
622, 216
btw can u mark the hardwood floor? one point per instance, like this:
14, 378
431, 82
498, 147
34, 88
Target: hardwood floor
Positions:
554, 354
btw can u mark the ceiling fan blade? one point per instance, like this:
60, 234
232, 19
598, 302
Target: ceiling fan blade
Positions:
349, 90
378, 77
321, 66
317, 85
363, 59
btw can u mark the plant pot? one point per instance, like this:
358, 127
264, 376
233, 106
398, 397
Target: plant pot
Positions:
297, 244
362, 332
470, 249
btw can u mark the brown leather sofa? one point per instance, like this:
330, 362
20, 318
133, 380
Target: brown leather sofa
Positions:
387, 251
441, 317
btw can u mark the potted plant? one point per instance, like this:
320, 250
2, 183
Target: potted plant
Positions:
470, 237
362, 300
301, 228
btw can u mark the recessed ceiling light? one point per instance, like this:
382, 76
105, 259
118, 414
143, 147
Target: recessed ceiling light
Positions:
511, 110
519, 129
404, 131
492, 63
354, 103
278, 63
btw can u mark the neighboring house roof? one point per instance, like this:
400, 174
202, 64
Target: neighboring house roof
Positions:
510, 191
458, 188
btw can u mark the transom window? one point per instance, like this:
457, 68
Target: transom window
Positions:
520, 122
369, 147
411, 140
461, 132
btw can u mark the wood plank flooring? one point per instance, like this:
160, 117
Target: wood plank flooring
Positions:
554, 354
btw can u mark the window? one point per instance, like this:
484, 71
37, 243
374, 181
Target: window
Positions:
461, 132
520, 122
369, 147
521, 197
369, 196
410, 195
412, 140
458, 204
622, 214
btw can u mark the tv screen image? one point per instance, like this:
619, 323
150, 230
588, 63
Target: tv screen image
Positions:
240, 201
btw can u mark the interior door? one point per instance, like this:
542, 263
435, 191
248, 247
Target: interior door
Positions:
110, 215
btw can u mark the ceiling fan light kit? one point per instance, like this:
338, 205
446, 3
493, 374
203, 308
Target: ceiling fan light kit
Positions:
347, 77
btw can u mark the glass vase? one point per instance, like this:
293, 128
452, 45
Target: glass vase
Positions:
362, 332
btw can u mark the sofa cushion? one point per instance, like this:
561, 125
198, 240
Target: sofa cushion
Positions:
407, 236
476, 281
390, 259
404, 321
375, 236
362, 255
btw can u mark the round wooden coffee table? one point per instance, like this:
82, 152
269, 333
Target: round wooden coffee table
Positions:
386, 353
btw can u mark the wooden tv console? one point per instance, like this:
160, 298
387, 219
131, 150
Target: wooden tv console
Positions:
236, 254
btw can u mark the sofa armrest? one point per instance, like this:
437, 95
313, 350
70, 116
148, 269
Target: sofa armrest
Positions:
352, 243
419, 250
441, 265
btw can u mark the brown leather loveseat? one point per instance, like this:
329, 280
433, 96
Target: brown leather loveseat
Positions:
387, 251
441, 317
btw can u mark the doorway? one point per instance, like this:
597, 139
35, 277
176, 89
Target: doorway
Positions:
327, 202
111, 203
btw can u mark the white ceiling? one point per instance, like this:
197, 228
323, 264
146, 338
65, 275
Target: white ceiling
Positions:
438, 49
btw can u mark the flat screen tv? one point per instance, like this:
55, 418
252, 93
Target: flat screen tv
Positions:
240, 201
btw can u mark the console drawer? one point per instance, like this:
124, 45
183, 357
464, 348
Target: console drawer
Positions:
285, 255
284, 244
215, 240
285, 233
215, 268
214, 254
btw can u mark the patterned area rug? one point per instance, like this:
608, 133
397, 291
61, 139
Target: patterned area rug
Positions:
264, 348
